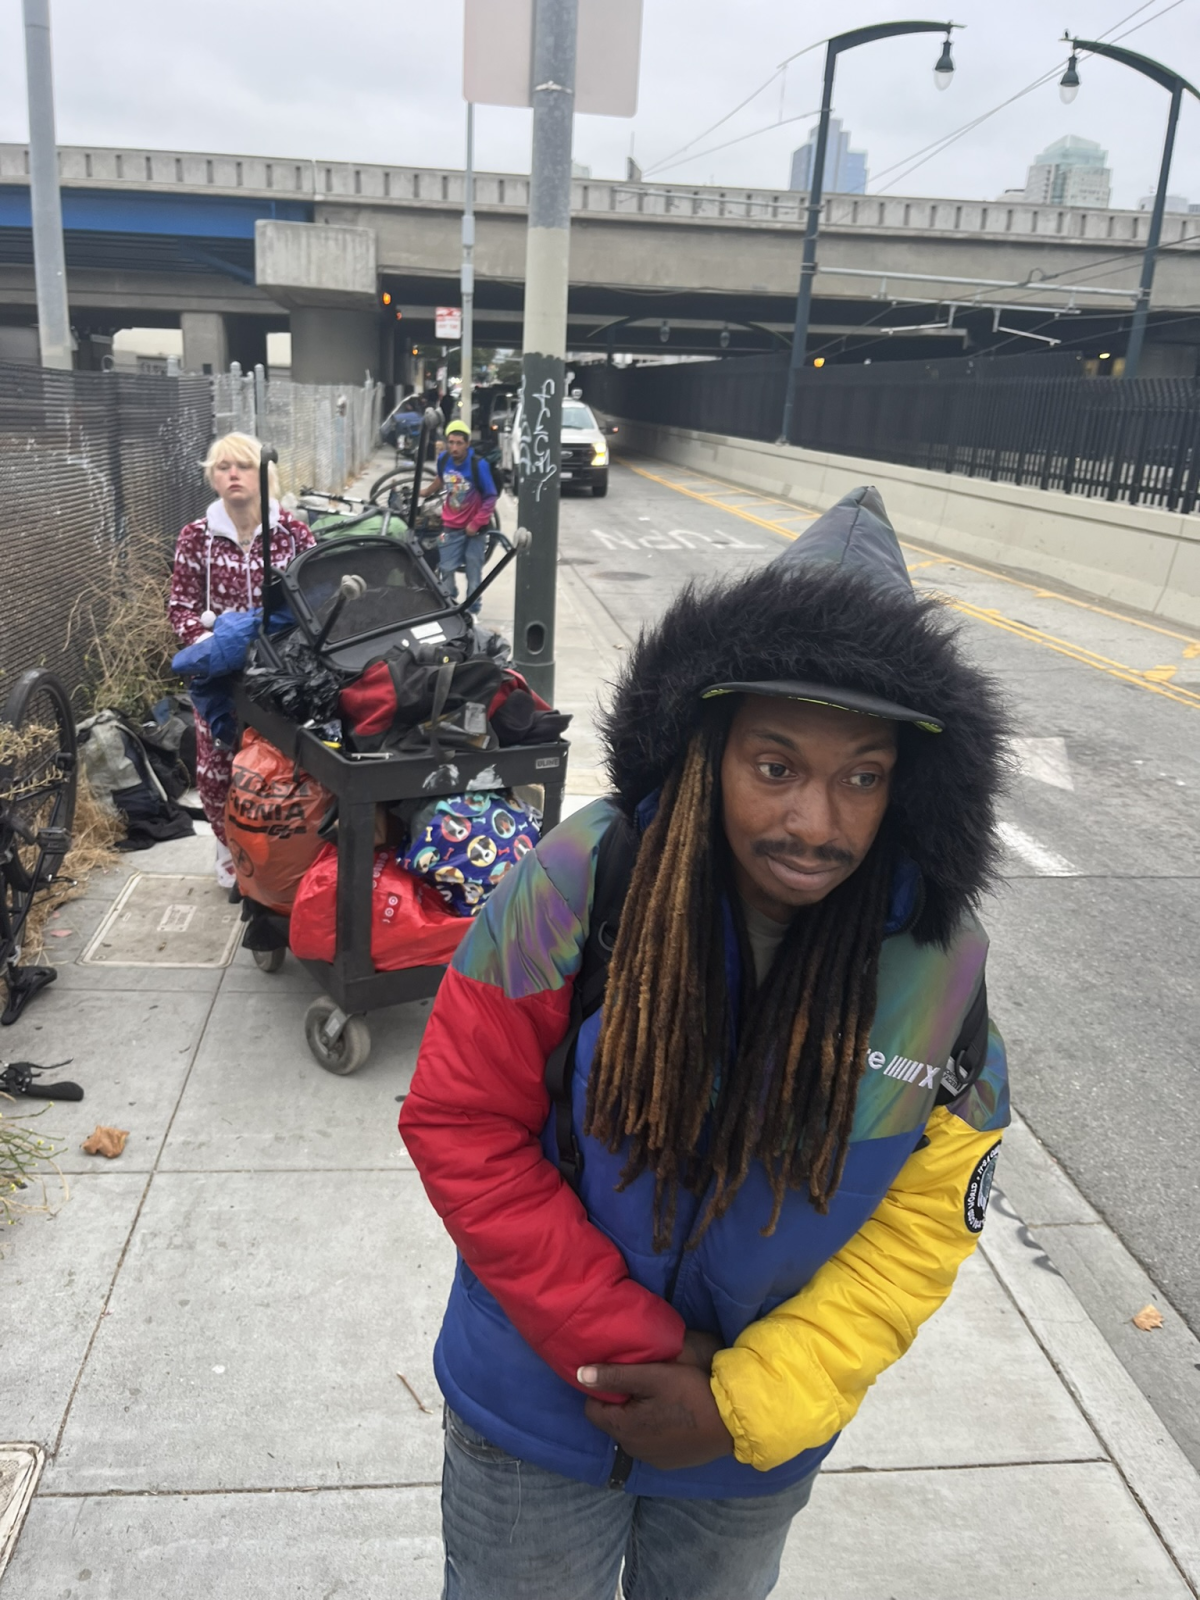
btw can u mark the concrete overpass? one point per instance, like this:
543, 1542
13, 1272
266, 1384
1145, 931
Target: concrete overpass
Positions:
228, 246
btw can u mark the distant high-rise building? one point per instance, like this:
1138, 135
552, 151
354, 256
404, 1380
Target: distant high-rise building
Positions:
845, 169
1070, 172
1174, 202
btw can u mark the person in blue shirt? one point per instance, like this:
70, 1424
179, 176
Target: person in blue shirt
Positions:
471, 496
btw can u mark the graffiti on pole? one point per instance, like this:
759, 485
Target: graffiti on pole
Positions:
536, 454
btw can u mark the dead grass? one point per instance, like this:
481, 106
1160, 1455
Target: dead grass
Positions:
122, 614
17, 745
96, 830
25, 1161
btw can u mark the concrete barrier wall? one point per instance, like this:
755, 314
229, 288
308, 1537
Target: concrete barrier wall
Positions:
1135, 555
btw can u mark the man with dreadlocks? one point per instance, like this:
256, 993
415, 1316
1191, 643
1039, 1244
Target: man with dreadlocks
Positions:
696, 1221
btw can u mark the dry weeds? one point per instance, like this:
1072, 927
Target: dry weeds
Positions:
95, 831
123, 614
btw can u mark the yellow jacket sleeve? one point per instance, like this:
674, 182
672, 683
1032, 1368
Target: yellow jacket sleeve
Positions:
798, 1375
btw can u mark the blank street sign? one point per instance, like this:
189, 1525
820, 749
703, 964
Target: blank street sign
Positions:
498, 50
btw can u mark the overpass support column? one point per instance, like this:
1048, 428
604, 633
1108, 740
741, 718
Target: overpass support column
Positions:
326, 276
333, 345
205, 341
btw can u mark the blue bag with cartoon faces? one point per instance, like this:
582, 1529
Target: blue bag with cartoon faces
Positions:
464, 844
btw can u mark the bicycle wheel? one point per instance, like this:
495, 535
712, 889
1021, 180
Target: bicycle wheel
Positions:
38, 780
398, 478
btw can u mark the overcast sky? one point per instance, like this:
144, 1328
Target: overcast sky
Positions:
361, 81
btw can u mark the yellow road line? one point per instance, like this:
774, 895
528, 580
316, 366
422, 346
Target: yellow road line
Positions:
1089, 658
1189, 640
708, 500
1023, 630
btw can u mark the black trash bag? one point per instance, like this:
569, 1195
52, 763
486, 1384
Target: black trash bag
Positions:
297, 682
520, 721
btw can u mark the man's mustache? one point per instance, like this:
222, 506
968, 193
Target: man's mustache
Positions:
821, 854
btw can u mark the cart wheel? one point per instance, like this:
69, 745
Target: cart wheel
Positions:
351, 1047
269, 960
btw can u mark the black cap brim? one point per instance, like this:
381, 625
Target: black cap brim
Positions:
823, 694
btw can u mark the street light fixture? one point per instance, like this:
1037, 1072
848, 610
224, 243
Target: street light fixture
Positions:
943, 72
1175, 84
1068, 84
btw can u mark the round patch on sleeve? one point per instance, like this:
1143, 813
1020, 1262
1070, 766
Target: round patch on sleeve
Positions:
979, 1190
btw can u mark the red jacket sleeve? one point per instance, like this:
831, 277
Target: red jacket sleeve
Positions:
472, 1123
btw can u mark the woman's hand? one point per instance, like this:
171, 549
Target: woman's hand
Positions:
670, 1419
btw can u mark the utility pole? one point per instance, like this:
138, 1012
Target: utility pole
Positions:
466, 359
49, 262
543, 364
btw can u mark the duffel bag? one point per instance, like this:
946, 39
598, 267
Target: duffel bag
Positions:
400, 695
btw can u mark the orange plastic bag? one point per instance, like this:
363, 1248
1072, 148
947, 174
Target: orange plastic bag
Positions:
410, 926
272, 814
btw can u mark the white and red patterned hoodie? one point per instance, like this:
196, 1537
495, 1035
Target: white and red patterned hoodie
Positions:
214, 573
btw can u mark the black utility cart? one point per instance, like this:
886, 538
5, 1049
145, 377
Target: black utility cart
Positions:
355, 599
335, 1024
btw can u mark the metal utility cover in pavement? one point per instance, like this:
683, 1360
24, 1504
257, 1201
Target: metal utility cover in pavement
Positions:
20, 1469
167, 920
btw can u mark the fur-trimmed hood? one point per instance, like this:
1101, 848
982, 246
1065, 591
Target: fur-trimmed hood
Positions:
838, 608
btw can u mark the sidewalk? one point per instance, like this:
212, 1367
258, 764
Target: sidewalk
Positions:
223, 1339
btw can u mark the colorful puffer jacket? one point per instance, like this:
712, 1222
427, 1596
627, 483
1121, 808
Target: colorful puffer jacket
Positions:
548, 1280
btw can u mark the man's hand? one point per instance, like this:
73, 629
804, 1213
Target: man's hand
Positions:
670, 1419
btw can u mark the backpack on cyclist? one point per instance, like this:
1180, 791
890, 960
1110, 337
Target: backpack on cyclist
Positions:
615, 857
474, 459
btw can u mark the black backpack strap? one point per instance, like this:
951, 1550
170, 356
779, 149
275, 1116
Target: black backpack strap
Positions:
969, 1055
615, 856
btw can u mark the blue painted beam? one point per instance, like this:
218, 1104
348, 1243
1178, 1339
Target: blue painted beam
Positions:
198, 216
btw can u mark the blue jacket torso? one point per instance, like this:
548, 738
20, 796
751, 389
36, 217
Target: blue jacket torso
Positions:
735, 1276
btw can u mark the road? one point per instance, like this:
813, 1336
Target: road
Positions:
1095, 929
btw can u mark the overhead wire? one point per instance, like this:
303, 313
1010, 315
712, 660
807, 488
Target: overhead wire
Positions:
918, 158
668, 161
741, 138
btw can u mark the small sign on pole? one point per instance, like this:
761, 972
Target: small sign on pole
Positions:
498, 55
447, 322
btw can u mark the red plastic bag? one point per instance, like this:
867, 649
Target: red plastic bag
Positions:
272, 814
410, 927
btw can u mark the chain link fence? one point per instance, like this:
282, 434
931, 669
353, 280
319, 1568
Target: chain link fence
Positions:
324, 433
96, 465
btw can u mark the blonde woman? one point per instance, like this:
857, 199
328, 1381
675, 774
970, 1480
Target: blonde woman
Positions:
219, 567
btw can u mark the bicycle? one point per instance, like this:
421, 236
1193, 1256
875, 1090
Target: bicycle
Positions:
39, 775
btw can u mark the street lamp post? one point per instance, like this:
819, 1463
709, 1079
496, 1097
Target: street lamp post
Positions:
943, 72
1175, 84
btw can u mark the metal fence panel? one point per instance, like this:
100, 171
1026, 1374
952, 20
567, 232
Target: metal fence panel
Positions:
1034, 420
88, 462
324, 433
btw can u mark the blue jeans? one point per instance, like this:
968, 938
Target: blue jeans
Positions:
455, 546
516, 1532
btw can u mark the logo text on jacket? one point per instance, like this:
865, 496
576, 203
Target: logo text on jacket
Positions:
903, 1068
